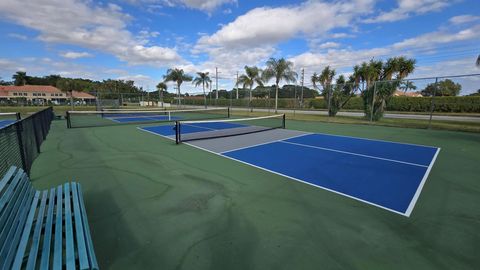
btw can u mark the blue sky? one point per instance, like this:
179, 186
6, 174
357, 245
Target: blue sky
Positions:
141, 39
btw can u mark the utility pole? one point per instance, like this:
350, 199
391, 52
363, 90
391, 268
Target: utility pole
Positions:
303, 77
216, 82
236, 85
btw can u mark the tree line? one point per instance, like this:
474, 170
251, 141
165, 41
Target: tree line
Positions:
337, 93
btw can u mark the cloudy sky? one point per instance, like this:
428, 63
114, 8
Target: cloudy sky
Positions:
141, 39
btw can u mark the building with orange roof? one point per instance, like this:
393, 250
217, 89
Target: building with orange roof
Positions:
41, 95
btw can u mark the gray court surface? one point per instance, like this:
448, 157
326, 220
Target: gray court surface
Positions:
225, 144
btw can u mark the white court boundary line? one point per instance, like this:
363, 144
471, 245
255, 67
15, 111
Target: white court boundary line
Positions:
420, 186
407, 212
298, 180
259, 144
354, 154
375, 140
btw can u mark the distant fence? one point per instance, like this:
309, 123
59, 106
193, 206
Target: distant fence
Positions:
20, 141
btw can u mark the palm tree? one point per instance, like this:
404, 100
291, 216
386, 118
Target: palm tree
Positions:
405, 86
161, 86
325, 78
252, 75
68, 85
405, 67
280, 69
20, 78
315, 79
202, 79
177, 75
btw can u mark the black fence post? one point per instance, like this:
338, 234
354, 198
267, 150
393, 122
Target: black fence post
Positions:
432, 103
69, 124
19, 128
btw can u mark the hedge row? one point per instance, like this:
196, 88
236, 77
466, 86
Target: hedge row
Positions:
468, 104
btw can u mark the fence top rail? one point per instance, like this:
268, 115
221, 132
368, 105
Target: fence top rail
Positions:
430, 78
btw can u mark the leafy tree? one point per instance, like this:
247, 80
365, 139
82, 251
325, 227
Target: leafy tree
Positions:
407, 85
377, 94
20, 78
325, 79
2, 82
68, 85
252, 75
336, 95
178, 76
280, 69
203, 79
444, 88
476, 93
161, 87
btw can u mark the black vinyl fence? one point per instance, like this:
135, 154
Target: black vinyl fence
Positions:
20, 141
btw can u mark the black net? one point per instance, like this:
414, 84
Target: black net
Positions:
199, 130
20, 141
77, 119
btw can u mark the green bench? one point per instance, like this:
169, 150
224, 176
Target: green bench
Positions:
43, 229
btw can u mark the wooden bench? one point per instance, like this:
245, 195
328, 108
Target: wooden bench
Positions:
43, 229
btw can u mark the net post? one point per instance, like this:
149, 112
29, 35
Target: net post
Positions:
283, 121
228, 112
177, 132
17, 115
69, 123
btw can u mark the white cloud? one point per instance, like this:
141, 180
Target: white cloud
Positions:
461, 19
341, 35
86, 25
266, 25
406, 8
416, 47
140, 80
75, 55
439, 37
328, 45
203, 5
18, 36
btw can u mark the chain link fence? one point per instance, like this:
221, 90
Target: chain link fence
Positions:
20, 141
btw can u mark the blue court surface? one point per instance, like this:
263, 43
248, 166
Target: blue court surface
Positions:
389, 175
5, 122
141, 118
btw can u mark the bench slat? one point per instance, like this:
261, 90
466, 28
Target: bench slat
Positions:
32, 256
6, 178
9, 226
10, 197
81, 247
91, 252
27, 230
70, 252
58, 245
18, 226
47, 238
